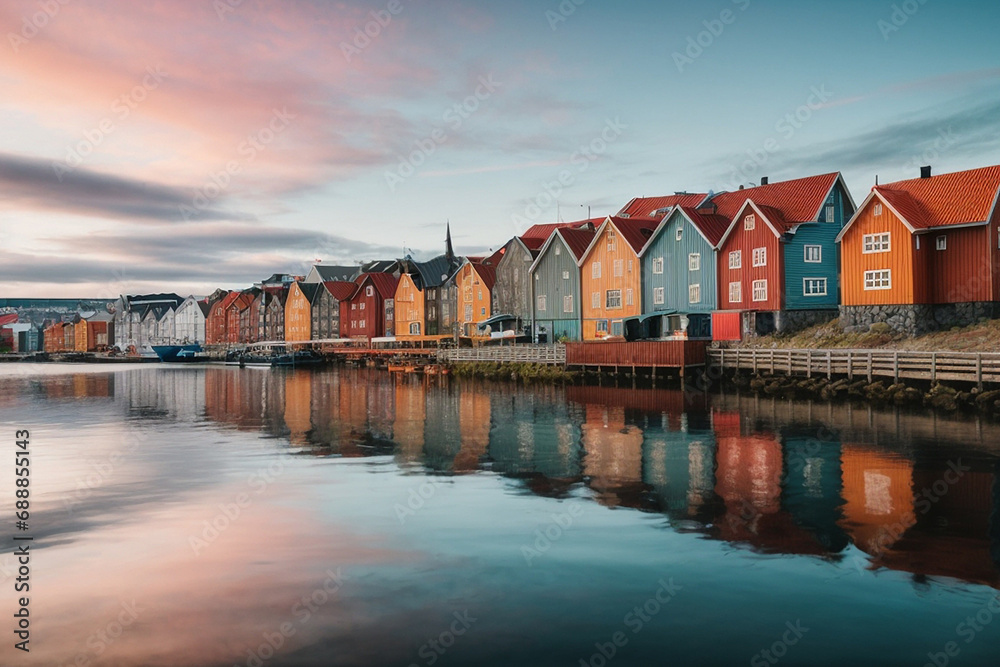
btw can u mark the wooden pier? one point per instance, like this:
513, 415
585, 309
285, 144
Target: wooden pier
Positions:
978, 368
549, 355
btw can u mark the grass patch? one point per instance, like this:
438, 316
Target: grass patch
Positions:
513, 372
982, 337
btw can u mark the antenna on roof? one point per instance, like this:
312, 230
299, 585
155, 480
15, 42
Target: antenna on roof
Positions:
876, 180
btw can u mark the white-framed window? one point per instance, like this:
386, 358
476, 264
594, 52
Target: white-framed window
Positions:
619, 268
517, 275
750, 222
813, 254
612, 242
616, 328
877, 210
362, 306
679, 234
602, 326
878, 280
873, 243
480, 295
760, 256
629, 297
565, 275
414, 328
354, 306
595, 300
369, 291
760, 290
468, 312
694, 293
941, 242
736, 292
831, 213
658, 295
541, 302
558, 250
736, 259
631, 265
568, 303
363, 323
814, 287
613, 298
657, 265
694, 261
595, 270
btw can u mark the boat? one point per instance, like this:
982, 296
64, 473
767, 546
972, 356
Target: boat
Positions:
301, 358
170, 353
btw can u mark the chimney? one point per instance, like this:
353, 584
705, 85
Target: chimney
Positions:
763, 180
741, 187
925, 172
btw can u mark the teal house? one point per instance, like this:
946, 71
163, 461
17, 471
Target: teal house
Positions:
555, 286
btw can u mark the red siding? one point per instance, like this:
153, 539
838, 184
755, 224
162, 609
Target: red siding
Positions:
995, 245
762, 236
726, 326
365, 315
669, 354
961, 272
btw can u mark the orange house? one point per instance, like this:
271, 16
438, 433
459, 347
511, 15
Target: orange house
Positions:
475, 282
611, 277
298, 312
917, 248
410, 308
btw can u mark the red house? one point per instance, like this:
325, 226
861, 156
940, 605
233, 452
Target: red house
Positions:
234, 315
216, 322
371, 310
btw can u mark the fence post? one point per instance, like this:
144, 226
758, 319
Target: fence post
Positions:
933, 367
850, 365
869, 366
979, 370
829, 364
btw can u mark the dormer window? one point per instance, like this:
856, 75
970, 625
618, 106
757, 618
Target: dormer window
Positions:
750, 222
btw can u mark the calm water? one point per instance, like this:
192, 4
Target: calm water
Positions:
219, 516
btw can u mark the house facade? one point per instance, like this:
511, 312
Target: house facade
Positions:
326, 322
298, 312
422, 307
189, 321
924, 254
555, 282
610, 276
371, 307
511, 293
474, 301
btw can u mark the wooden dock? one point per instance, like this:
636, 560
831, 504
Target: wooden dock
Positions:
549, 355
975, 367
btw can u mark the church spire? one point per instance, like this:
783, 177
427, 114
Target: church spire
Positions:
449, 251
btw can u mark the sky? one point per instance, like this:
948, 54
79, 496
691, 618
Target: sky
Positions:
188, 145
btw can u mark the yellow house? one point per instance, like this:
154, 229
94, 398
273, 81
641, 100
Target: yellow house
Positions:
475, 282
410, 309
298, 312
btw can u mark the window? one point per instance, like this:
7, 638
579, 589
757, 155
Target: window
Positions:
679, 234
362, 307
354, 306
541, 302
565, 275
760, 290
760, 256
517, 275
468, 312
878, 209
876, 280
595, 270
631, 265
941, 242
629, 300
568, 303
558, 251
482, 311
877, 243
619, 266
612, 242
736, 292
613, 298
480, 295
414, 328
814, 254
616, 328
750, 222
658, 295
369, 291
831, 213
814, 286
602, 327
736, 259
657, 265
595, 300
362, 324
694, 293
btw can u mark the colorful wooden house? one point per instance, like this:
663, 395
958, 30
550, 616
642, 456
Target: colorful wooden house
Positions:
372, 307
658, 207
419, 296
474, 281
555, 279
326, 321
216, 322
298, 312
679, 274
271, 314
610, 276
778, 261
924, 254
189, 321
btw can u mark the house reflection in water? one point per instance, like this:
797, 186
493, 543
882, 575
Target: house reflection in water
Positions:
878, 498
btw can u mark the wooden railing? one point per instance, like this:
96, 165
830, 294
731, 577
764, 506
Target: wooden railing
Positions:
553, 355
977, 367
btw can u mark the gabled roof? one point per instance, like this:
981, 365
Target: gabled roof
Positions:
308, 290
227, 300
380, 266
712, 227
577, 240
8, 319
430, 274
339, 289
544, 231
646, 207
494, 259
205, 306
635, 231
384, 283
328, 272
487, 273
770, 216
799, 200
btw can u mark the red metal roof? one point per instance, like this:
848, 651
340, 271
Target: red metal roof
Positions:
532, 243
798, 200
635, 231
959, 198
643, 207
8, 319
385, 283
340, 290
487, 273
494, 259
543, 232
711, 225
228, 300
577, 240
